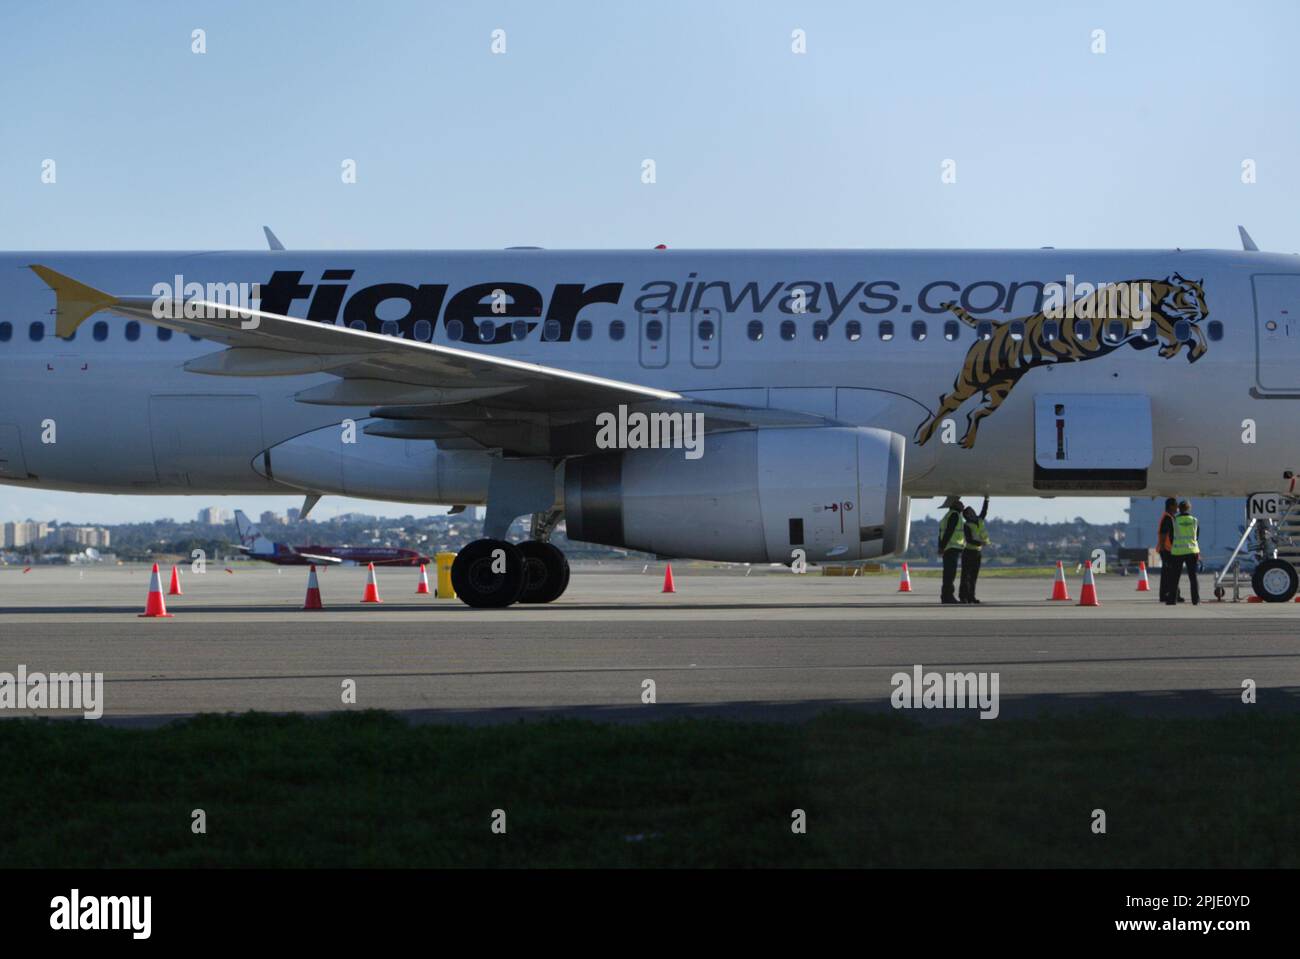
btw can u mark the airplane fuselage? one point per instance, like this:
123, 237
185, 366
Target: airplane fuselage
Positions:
869, 338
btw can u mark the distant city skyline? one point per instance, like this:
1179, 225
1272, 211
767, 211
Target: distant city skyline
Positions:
102, 509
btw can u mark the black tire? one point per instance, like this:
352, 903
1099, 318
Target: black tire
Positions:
547, 572
1275, 581
475, 581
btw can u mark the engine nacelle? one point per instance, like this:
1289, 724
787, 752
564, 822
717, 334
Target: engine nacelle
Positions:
754, 496
377, 467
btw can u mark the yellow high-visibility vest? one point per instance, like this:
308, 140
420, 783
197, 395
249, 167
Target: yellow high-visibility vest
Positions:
958, 540
1185, 530
981, 533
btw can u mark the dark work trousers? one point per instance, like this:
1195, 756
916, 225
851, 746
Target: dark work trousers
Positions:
1190, 563
951, 558
1168, 576
970, 572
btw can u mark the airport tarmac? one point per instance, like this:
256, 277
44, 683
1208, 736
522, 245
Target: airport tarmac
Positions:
770, 644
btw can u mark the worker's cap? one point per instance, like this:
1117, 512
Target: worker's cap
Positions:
1184, 504
952, 502
1171, 502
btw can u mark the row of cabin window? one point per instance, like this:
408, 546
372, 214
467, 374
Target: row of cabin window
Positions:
1115, 330
705, 330
98, 332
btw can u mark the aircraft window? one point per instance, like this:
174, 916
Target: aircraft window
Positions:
787, 330
853, 331
1115, 330
358, 324
132, 330
1082, 330
487, 331
820, 330
100, 331
584, 329
654, 330
551, 330
705, 330
6, 331
195, 338
616, 330
1216, 330
1017, 330
755, 330
1051, 330
1150, 334
455, 330
36, 332
519, 329
388, 328
950, 330
984, 330
1182, 330
886, 329
423, 330
918, 330
164, 334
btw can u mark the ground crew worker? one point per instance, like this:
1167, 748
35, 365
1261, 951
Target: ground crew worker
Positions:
1186, 552
977, 537
952, 540
1164, 543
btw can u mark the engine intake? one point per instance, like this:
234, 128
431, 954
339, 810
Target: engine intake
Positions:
754, 496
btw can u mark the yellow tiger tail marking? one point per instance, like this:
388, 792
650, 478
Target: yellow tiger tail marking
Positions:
74, 301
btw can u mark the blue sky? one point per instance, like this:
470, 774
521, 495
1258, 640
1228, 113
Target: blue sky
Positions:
158, 147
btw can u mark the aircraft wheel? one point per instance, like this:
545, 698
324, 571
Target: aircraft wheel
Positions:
547, 572
488, 574
1275, 581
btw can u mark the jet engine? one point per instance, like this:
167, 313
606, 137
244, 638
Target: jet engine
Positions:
753, 496
374, 467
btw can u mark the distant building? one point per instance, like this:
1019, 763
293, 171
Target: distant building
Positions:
95, 536
214, 516
26, 533
294, 515
272, 518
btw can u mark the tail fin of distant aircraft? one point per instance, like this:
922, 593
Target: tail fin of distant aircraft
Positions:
250, 537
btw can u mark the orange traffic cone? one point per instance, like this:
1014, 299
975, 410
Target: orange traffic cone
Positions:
1088, 595
668, 579
424, 581
904, 581
1059, 590
1144, 584
372, 588
313, 591
155, 605
175, 588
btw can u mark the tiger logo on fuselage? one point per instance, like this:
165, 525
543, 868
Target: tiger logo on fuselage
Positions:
1009, 349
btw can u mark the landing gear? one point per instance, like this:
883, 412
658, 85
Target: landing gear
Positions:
546, 575
489, 574
1275, 581
493, 574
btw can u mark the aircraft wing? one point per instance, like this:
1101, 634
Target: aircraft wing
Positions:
416, 390
320, 560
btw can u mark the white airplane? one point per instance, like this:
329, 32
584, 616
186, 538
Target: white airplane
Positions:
831, 386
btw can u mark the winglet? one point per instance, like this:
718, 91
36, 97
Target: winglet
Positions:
272, 240
1247, 243
74, 301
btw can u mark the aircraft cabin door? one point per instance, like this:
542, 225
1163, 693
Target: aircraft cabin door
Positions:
654, 339
1277, 328
706, 338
